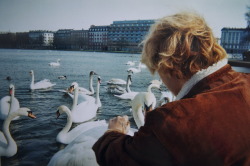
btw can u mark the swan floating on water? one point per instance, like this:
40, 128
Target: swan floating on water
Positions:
8, 146
118, 90
66, 135
55, 64
9, 103
130, 63
85, 110
131, 95
91, 90
118, 81
142, 103
43, 84
79, 152
135, 70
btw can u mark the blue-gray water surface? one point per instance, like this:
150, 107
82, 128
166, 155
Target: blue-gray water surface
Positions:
36, 138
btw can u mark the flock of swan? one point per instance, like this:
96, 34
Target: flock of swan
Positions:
80, 139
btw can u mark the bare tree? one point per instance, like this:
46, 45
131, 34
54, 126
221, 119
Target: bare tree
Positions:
247, 17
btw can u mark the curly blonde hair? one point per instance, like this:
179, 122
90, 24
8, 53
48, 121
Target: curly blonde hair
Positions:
182, 43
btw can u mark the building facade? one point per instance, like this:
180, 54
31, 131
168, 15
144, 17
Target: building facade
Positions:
98, 38
62, 39
127, 35
79, 39
41, 38
235, 40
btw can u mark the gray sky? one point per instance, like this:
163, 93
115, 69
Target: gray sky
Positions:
25, 15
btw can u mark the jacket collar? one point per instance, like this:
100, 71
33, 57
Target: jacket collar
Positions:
199, 76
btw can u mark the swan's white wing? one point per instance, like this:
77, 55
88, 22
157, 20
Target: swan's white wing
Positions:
116, 90
116, 81
85, 91
4, 106
43, 84
129, 96
84, 111
54, 64
83, 97
79, 152
81, 128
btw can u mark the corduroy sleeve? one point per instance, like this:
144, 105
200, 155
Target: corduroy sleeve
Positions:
143, 149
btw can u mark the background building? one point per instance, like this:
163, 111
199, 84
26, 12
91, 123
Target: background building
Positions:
79, 39
235, 40
127, 35
40, 38
98, 38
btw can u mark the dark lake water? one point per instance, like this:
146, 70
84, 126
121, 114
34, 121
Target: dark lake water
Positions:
36, 138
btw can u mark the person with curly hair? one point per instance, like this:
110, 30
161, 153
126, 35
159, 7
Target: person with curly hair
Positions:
208, 124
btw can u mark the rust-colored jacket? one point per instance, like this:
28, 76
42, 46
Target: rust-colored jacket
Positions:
210, 126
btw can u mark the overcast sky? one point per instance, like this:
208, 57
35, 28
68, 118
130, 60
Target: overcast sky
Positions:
25, 15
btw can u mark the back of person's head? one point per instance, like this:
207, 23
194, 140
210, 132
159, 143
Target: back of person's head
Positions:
182, 44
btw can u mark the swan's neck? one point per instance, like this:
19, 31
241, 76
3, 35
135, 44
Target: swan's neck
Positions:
75, 99
138, 116
127, 85
11, 148
32, 80
91, 84
12, 97
152, 86
98, 101
62, 135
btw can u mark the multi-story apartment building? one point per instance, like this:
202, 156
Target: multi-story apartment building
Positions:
41, 38
79, 39
126, 35
98, 38
235, 40
62, 39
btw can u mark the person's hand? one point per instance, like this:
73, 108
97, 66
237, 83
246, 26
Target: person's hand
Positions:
119, 124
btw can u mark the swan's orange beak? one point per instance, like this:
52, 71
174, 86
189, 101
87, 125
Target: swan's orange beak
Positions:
31, 115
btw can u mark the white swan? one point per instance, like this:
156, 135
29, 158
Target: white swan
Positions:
166, 97
9, 103
118, 81
135, 70
66, 135
118, 90
131, 63
85, 110
131, 95
141, 104
43, 84
8, 146
91, 90
79, 152
55, 64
